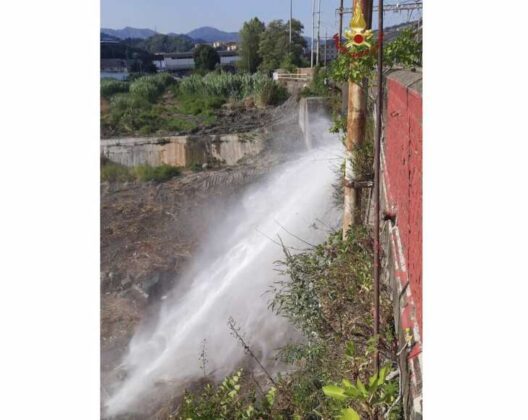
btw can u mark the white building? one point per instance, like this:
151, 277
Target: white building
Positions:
185, 61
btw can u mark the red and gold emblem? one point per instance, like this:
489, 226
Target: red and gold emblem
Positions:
358, 34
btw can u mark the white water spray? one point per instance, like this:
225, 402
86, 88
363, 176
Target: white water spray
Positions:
229, 278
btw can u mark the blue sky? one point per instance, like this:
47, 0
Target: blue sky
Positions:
181, 16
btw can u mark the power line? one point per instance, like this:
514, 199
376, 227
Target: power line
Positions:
291, 16
318, 29
398, 7
313, 34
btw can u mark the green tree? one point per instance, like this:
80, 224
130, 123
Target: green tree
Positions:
250, 35
167, 43
275, 48
205, 58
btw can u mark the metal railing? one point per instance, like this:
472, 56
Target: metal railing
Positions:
292, 76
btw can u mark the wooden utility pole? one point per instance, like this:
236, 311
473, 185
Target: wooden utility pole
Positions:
341, 21
356, 121
368, 7
326, 42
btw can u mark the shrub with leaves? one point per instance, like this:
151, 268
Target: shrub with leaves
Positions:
269, 93
332, 278
225, 85
356, 66
319, 85
110, 87
405, 50
150, 87
160, 173
377, 395
196, 105
327, 294
114, 172
228, 401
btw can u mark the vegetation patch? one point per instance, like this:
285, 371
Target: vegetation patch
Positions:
196, 105
327, 293
229, 400
319, 86
110, 87
114, 172
160, 173
156, 104
233, 86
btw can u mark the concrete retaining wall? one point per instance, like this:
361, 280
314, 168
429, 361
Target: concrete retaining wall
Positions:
310, 111
402, 234
182, 150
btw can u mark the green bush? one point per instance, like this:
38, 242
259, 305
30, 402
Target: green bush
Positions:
328, 295
318, 85
130, 112
195, 105
150, 87
160, 173
405, 50
270, 93
145, 90
229, 400
110, 87
127, 102
136, 111
363, 154
114, 172
223, 85
176, 124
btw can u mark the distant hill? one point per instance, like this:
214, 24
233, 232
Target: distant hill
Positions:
205, 34
210, 34
129, 32
119, 50
106, 37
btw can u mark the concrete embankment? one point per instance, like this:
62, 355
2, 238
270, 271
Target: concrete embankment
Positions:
311, 111
229, 149
183, 150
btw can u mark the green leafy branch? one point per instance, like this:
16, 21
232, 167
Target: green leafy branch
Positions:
359, 63
376, 394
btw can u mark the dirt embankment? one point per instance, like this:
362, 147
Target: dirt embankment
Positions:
150, 232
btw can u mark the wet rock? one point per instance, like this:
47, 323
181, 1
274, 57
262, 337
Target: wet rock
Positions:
150, 282
127, 281
158, 284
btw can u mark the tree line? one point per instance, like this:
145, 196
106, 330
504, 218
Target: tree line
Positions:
265, 48
262, 47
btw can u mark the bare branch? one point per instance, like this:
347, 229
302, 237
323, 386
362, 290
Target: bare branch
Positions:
236, 333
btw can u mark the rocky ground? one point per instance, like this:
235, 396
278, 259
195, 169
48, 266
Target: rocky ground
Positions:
148, 234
